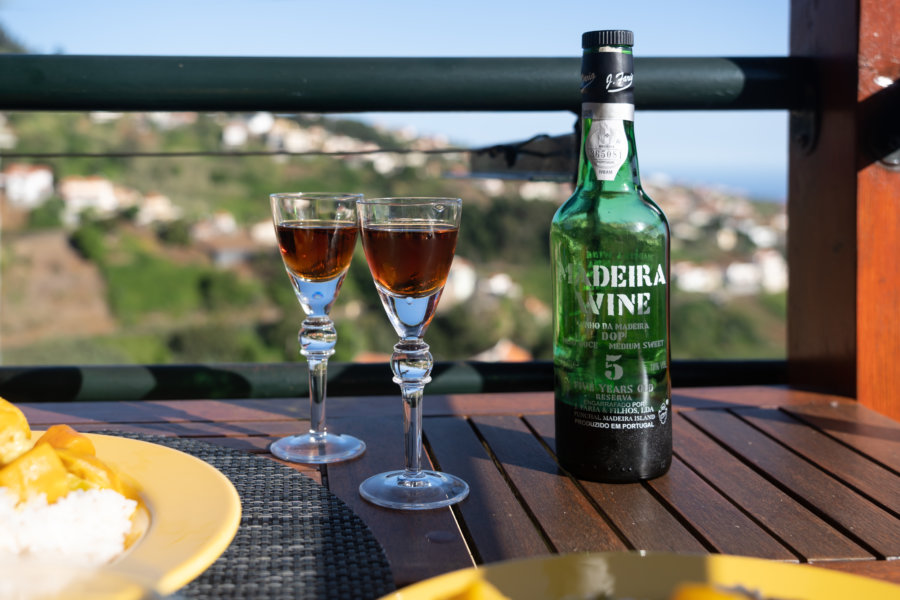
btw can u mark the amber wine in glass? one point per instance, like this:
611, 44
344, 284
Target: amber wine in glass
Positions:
409, 245
316, 236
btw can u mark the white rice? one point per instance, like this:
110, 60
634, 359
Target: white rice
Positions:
87, 527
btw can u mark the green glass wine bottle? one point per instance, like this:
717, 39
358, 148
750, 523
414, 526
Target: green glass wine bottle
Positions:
610, 262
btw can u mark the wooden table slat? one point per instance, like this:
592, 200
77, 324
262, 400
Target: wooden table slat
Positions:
871, 525
495, 520
857, 470
632, 508
793, 523
168, 411
857, 426
566, 515
721, 523
751, 396
191, 429
419, 544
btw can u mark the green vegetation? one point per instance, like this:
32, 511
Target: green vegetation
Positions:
172, 303
46, 216
744, 328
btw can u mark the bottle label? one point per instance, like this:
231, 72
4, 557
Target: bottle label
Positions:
606, 147
612, 340
607, 75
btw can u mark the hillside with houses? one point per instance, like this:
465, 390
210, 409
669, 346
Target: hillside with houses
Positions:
173, 258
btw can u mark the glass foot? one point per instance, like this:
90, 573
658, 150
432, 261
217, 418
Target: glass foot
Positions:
406, 490
317, 449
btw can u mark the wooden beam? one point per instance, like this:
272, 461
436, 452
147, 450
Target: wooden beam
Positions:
878, 198
822, 202
843, 201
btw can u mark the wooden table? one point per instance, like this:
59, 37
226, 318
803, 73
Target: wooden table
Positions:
758, 471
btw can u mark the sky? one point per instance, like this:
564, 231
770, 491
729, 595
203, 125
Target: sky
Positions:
744, 150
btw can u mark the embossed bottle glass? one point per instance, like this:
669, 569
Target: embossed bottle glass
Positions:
409, 245
316, 235
610, 261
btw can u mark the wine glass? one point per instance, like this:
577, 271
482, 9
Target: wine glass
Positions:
316, 235
409, 245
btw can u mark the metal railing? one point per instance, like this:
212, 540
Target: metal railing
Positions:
340, 85
288, 380
335, 85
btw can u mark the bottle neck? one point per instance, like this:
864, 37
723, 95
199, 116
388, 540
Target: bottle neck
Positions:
608, 157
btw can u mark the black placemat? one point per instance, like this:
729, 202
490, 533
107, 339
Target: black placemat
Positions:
296, 539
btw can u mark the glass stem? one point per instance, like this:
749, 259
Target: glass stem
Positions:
411, 364
412, 427
318, 379
317, 339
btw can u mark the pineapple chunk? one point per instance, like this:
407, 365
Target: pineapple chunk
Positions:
65, 438
15, 435
62, 460
37, 471
93, 473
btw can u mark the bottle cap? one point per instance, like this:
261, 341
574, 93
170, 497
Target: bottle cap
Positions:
607, 37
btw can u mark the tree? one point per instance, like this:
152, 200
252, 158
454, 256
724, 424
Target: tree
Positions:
48, 215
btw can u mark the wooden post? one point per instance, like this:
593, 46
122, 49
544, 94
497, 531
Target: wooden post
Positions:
822, 202
844, 206
878, 200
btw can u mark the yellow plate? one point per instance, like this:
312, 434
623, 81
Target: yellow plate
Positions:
646, 576
194, 510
